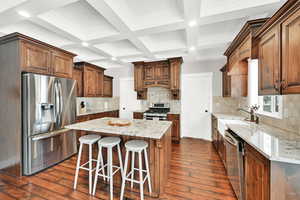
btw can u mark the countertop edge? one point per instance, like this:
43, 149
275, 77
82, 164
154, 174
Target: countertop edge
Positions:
276, 159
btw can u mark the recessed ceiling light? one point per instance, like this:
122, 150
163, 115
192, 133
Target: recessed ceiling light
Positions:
192, 23
24, 13
85, 44
192, 48
113, 58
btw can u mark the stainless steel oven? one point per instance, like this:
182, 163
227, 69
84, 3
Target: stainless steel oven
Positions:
157, 111
235, 162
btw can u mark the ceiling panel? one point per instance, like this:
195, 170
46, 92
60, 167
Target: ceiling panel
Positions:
108, 64
209, 7
119, 48
141, 14
84, 54
5, 5
37, 32
81, 20
165, 41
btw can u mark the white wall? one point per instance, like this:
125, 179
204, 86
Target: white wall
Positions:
207, 66
187, 68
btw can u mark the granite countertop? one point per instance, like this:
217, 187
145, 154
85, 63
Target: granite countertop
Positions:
94, 111
140, 111
275, 144
141, 128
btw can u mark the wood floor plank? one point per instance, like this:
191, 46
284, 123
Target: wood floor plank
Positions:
197, 173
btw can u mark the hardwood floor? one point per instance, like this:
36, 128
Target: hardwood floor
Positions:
196, 173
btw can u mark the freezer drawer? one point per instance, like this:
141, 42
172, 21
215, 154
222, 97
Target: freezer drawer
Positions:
45, 150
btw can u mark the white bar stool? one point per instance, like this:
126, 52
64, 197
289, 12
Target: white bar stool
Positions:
136, 146
89, 140
109, 143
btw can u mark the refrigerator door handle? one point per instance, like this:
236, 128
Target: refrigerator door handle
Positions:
49, 135
60, 99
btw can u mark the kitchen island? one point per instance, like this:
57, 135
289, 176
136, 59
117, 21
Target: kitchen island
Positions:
156, 133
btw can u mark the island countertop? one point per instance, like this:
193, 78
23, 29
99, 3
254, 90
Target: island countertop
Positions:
140, 128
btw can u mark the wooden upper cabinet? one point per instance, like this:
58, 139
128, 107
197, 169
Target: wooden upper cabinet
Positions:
35, 58
165, 73
269, 63
257, 175
244, 50
42, 58
175, 73
99, 82
108, 86
149, 72
162, 71
92, 79
62, 64
89, 81
291, 54
138, 76
78, 76
226, 82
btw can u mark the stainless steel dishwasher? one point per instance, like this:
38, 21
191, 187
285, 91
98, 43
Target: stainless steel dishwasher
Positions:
235, 162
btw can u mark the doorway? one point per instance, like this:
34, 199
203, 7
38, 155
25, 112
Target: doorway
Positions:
196, 105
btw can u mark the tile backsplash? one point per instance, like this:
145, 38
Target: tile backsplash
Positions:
291, 111
94, 104
161, 95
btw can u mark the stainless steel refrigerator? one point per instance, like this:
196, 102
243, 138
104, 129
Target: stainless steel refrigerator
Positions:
48, 104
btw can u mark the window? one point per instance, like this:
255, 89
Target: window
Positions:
268, 105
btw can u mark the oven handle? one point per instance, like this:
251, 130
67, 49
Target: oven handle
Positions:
49, 135
229, 138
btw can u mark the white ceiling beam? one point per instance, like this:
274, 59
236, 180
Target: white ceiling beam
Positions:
109, 14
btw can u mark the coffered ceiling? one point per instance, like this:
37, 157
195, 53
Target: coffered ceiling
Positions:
114, 33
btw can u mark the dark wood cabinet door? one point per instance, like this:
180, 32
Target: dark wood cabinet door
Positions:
175, 74
257, 175
78, 76
61, 64
162, 71
239, 85
138, 115
149, 72
175, 118
108, 86
138, 77
291, 54
99, 82
35, 58
269, 63
89, 84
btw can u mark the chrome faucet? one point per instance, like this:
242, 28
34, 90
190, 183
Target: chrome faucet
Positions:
253, 115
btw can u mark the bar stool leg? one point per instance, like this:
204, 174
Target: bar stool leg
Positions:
132, 167
97, 169
110, 172
141, 176
101, 162
148, 171
120, 159
124, 175
90, 168
77, 166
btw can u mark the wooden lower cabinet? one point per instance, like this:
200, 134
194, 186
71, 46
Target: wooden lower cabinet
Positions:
138, 115
257, 175
175, 118
83, 118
